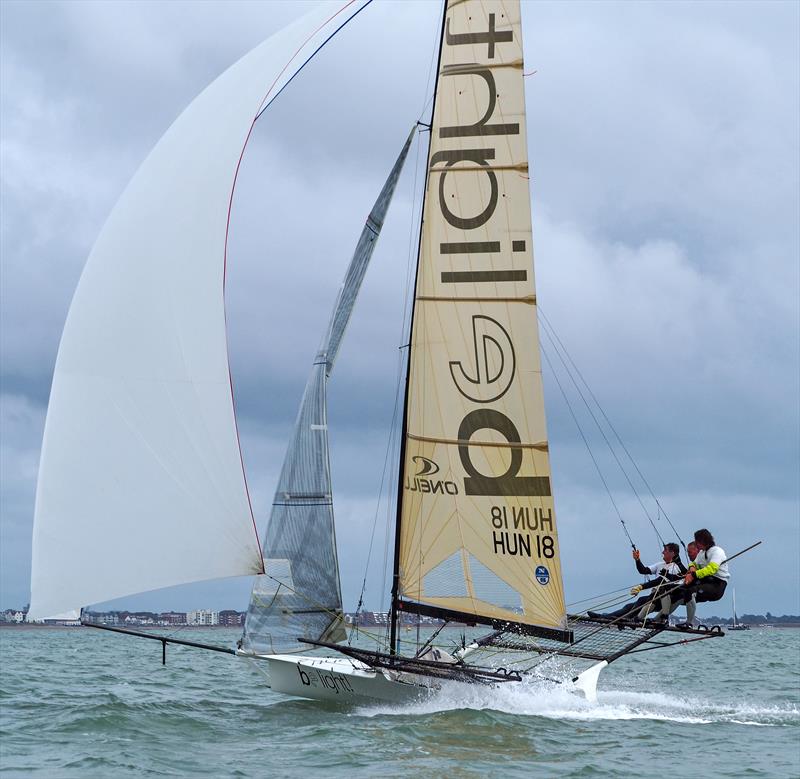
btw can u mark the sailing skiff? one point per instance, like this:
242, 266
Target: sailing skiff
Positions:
736, 625
147, 401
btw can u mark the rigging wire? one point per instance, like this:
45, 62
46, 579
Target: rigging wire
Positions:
663, 590
377, 511
428, 91
601, 595
577, 370
393, 425
431, 638
588, 448
336, 615
546, 330
311, 56
667, 590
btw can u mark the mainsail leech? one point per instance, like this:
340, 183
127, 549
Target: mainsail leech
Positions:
299, 596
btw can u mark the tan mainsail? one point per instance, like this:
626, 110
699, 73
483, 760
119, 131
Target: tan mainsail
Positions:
477, 523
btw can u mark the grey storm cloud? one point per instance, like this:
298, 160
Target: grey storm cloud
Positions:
664, 154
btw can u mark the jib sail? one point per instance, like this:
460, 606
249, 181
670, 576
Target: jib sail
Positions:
300, 594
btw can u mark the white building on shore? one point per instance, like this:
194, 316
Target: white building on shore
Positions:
202, 617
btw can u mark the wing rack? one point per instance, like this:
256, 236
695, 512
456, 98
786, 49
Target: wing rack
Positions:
598, 639
593, 639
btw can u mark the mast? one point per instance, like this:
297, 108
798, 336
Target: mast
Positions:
393, 612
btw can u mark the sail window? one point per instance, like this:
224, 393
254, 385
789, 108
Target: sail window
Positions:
489, 587
446, 580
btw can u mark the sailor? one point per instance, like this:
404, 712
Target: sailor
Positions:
691, 607
671, 569
706, 578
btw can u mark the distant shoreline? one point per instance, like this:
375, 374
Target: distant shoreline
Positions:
36, 626
176, 628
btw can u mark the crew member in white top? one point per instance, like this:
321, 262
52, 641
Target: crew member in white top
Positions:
670, 570
707, 576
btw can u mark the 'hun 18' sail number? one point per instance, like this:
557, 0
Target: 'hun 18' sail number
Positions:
515, 532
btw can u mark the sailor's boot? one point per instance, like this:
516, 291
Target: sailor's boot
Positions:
691, 612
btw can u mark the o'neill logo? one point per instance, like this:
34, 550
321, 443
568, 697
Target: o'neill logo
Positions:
427, 467
419, 483
542, 574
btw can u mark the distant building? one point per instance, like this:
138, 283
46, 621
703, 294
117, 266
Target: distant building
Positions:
202, 617
231, 618
69, 622
104, 617
380, 618
172, 618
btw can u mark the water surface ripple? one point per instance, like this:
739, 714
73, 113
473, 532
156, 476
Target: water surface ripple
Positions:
79, 703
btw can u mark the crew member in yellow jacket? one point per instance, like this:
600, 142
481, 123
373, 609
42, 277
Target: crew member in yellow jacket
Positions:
707, 576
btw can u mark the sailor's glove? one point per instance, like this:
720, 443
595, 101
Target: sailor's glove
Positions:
636, 589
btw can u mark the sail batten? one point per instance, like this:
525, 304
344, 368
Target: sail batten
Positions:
541, 445
477, 531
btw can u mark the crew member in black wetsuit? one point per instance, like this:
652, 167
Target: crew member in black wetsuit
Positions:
671, 569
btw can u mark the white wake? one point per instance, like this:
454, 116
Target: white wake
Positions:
555, 701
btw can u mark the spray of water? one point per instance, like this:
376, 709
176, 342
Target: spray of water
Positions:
555, 701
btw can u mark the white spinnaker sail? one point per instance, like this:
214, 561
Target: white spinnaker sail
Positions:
141, 484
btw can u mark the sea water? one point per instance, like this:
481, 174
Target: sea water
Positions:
84, 703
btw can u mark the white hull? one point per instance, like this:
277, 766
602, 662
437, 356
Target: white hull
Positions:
342, 680
346, 681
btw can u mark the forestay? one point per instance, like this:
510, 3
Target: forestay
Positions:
141, 484
477, 524
300, 594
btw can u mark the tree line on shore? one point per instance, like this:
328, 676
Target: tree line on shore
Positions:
755, 619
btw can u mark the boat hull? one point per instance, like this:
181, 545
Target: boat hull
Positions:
342, 680
350, 682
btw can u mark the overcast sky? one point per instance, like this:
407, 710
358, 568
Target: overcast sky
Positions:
663, 140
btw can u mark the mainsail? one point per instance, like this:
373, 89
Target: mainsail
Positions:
477, 536
299, 594
141, 484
